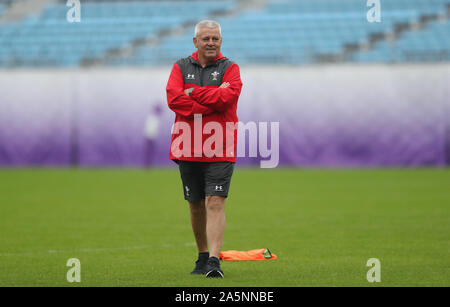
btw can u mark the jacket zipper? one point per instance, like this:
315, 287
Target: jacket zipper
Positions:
202, 72
201, 76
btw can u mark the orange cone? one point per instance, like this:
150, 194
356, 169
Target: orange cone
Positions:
254, 254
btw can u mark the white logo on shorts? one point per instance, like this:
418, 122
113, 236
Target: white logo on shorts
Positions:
219, 188
187, 190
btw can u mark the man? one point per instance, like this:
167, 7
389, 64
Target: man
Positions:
151, 132
203, 91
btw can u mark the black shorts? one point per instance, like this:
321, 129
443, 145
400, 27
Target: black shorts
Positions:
201, 179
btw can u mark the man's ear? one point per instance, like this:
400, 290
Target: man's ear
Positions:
194, 40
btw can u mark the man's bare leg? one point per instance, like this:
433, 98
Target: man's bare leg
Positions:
215, 223
198, 222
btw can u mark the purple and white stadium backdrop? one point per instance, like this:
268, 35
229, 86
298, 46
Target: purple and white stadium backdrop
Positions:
343, 116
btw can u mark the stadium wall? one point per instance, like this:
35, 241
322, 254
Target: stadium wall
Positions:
330, 116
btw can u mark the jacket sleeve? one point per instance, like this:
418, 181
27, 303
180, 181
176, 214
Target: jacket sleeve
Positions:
221, 98
180, 103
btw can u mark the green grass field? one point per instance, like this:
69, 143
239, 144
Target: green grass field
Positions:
131, 227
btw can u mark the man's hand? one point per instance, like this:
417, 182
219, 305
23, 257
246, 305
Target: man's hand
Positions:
186, 92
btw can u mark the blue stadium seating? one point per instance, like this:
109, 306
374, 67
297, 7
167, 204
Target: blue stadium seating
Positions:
297, 32
50, 40
282, 32
424, 45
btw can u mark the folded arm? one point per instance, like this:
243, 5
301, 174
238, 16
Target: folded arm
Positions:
223, 97
178, 101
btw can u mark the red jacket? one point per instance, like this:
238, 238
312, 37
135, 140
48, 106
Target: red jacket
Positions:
217, 107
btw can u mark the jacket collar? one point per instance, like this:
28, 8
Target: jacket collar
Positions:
194, 57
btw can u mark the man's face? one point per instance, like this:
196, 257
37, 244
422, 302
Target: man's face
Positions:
208, 43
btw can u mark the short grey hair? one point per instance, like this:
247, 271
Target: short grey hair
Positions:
207, 24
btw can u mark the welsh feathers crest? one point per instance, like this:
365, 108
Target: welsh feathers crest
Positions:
215, 74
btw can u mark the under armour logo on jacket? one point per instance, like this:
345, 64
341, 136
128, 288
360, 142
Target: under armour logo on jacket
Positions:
190, 77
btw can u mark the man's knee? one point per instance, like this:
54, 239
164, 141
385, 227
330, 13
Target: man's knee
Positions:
215, 203
197, 207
